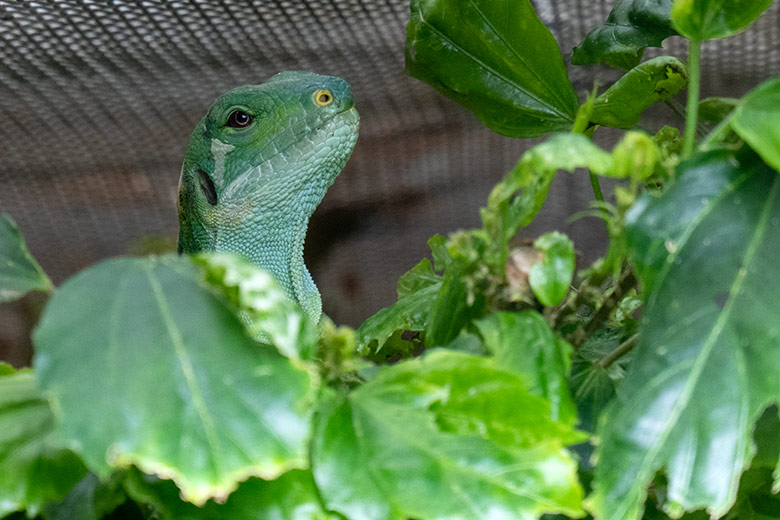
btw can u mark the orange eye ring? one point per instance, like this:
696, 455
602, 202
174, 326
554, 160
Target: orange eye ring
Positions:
323, 97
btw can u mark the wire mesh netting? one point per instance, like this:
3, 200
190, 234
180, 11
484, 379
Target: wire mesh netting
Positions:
98, 98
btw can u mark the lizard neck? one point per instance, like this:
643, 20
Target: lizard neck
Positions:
271, 235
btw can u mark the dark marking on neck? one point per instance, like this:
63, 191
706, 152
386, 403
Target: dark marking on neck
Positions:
207, 187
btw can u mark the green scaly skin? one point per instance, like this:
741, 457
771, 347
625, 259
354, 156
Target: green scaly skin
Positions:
251, 190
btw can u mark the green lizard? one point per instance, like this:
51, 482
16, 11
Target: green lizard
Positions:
258, 164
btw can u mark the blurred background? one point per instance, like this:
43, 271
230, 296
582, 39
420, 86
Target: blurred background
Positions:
98, 99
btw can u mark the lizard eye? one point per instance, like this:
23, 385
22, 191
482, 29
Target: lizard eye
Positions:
323, 97
239, 119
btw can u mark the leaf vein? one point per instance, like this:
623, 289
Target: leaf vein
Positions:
498, 76
701, 359
187, 369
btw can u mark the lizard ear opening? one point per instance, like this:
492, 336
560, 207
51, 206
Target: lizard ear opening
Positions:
207, 187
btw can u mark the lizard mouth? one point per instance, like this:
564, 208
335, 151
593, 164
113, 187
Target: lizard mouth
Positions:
351, 116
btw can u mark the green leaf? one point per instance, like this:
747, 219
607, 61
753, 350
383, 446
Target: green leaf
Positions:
469, 343
34, 468
496, 58
270, 315
593, 385
338, 359
622, 104
757, 121
450, 435
409, 313
146, 365
417, 278
631, 26
756, 500
292, 496
453, 308
19, 272
90, 499
713, 110
709, 344
669, 140
709, 19
417, 291
551, 277
507, 211
441, 257
766, 439
523, 342
637, 156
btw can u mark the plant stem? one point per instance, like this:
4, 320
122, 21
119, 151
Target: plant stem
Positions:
594, 182
594, 179
623, 349
692, 108
625, 282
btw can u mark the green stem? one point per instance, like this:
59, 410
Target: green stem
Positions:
625, 282
692, 109
624, 348
594, 182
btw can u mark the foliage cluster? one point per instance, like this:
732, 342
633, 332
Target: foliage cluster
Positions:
503, 383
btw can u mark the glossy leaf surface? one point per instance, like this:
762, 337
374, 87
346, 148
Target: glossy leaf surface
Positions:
551, 277
34, 469
19, 272
496, 58
524, 342
631, 26
622, 104
757, 121
709, 19
709, 345
450, 435
147, 365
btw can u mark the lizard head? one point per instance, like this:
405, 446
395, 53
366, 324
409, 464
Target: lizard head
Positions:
262, 154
